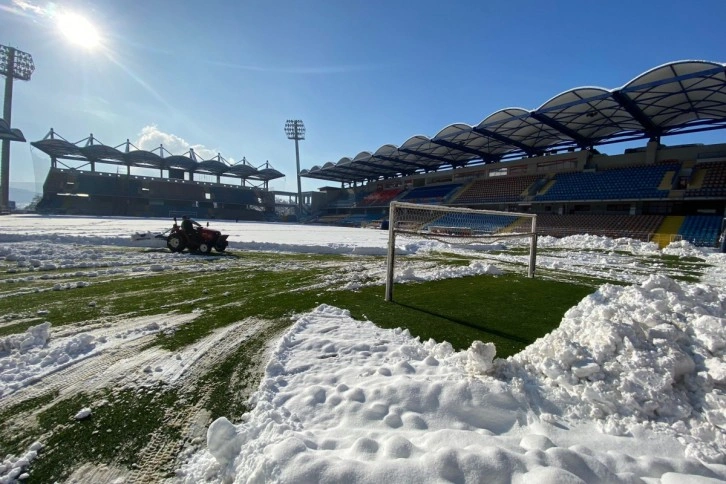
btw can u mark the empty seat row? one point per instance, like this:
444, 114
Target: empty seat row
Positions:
501, 189
615, 184
701, 230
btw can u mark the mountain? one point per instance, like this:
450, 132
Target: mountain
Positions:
22, 193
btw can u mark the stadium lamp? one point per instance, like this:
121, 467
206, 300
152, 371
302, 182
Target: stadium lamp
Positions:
14, 64
295, 129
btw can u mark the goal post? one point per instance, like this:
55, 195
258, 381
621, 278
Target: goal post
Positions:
456, 225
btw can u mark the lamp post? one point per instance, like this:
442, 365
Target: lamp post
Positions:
295, 129
14, 64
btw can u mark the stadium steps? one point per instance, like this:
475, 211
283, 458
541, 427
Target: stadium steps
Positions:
510, 228
667, 182
517, 226
546, 188
458, 193
534, 188
667, 230
696, 180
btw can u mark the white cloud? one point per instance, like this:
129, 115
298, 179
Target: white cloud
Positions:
151, 137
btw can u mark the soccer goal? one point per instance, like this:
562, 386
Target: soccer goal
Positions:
456, 226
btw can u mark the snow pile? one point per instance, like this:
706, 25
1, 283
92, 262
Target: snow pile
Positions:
598, 242
715, 274
649, 356
683, 248
436, 273
345, 401
12, 468
33, 337
24, 358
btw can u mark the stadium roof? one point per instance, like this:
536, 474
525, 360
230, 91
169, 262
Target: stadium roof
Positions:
93, 152
674, 98
8, 133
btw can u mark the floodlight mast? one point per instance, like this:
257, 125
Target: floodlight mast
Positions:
14, 64
295, 129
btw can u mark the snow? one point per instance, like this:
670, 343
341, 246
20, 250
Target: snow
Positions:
631, 387
26, 357
85, 412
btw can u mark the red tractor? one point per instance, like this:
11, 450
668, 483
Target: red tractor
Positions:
201, 239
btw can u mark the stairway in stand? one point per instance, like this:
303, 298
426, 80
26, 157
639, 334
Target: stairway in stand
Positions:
667, 231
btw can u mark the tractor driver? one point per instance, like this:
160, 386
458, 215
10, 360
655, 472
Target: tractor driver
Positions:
187, 227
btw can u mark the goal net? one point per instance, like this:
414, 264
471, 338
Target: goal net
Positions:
456, 226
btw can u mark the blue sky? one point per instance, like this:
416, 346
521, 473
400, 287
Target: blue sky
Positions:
223, 76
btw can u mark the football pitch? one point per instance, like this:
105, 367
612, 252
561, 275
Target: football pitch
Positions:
178, 341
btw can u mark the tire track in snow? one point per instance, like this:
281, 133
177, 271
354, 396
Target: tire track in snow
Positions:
159, 456
102, 368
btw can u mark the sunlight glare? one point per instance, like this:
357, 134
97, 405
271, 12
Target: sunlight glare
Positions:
78, 30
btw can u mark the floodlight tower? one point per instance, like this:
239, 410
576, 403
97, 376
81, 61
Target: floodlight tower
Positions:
295, 129
14, 64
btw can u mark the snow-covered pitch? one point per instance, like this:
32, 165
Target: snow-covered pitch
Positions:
630, 388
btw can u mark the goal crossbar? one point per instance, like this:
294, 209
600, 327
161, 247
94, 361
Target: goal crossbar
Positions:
455, 224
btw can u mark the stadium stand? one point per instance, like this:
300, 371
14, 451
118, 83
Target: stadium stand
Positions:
701, 230
348, 199
360, 220
434, 195
381, 198
452, 223
641, 182
640, 227
497, 190
70, 191
710, 179
543, 161
547, 160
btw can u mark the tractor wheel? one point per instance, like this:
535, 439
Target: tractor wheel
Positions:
205, 248
175, 243
221, 246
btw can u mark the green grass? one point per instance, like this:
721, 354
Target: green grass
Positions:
509, 310
115, 432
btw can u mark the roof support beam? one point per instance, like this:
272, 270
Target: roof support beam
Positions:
346, 171
486, 157
651, 129
375, 167
403, 162
509, 141
426, 155
581, 141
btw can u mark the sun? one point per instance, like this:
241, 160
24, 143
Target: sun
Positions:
79, 30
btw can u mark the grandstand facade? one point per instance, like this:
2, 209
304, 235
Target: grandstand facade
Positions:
75, 186
546, 162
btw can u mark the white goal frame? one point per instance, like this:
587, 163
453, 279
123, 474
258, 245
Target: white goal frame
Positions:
396, 226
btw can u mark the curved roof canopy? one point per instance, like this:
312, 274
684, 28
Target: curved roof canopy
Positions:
59, 148
267, 174
674, 98
179, 162
103, 153
11, 134
143, 158
242, 170
215, 167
